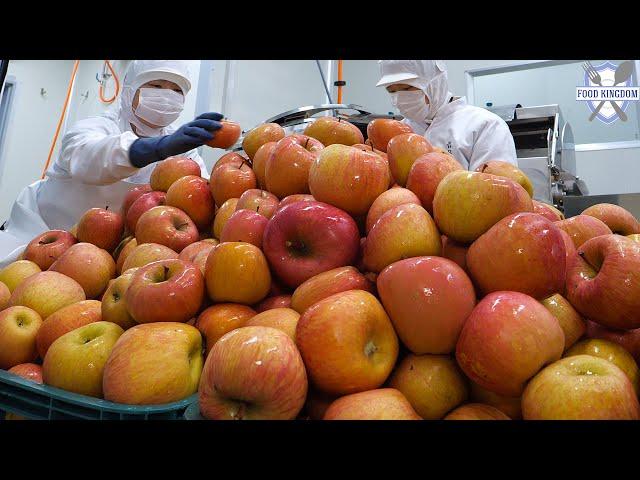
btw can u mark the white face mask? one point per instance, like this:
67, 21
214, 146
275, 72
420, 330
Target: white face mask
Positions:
411, 104
159, 106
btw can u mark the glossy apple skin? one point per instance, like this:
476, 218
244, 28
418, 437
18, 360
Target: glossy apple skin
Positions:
218, 320
326, 284
18, 330
230, 158
222, 216
90, 266
47, 247
476, 411
14, 273
277, 301
569, 246
190, 252
114, 305
347, 342
65, 320
635, 237
259, 201
348, 178
132, 195
260, 162
192, 195
230, 181
510, 406
297, 197
402, 151
572, 324
284, 319
426, 173
433, 384
506, 340
144, 203
381, 130
523, 252
455, 252
603, 281
101, 227
123, 251
548, 211
154, 363
245, 226
168, 226
226, 136
628, 339
165, 291
146, 253
253, 373
379, 404
30, 371
168, 171
386, 201
428, 300
508, 170
581, 387
618, 219
467, 204
5, 296
401, 232
47, 292
331, 130
259, 136
582, 228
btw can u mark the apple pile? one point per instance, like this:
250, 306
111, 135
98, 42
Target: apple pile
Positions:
325, 276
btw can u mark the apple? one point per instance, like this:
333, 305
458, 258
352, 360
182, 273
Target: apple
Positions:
277, 301
165, 291
143, 204
259, 201
261, 135
284, 319
581, 387
628, 339
132, 195
569, 246
401, 232
603, 281
455, 252
5, 296
476, 411
154, 363
426, 173
260, 162
582, 228
347, 343
113, 305
570, 321
219, 319
168, 171
368, 148
90, 266
47, 292
618, 219
326, 284
635, 237
13, 274
146, 253
101, 227
18, 329
506, 340
467, 204
317, 403
253, 373
75, 361
386, 201
508, 170
47, 247
378, 404
168, 226
191, 194
297, 197
510, 406
428, 300
230, 158
331, 130
381, 130
244, 226
304, 239
402, 151
523, 252
190, 252
548, 211
433, 384
226, 136
200, 260
348, 178
287, 168
30, 371
231, 181
122, 251
237, 272
222, 216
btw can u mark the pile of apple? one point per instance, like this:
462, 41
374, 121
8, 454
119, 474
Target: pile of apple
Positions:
323, 276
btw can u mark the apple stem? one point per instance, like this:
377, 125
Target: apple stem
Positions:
106, 207
306, 143
166, 272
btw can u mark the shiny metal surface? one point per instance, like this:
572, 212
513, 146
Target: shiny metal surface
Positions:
574, 205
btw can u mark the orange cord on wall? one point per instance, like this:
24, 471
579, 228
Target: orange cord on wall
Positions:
64, 111
101, 89
340, 80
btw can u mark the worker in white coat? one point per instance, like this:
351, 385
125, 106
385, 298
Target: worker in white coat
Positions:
101, 158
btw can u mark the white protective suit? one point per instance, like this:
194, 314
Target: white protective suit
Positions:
93, 168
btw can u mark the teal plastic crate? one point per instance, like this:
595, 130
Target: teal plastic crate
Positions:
193, 412
42, 402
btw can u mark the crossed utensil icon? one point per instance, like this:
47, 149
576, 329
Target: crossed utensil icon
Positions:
622, 74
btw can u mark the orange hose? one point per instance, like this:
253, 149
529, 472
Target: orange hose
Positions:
339, 79
64, 111
115, 78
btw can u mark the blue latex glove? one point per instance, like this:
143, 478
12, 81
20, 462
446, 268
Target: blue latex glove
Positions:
189, 136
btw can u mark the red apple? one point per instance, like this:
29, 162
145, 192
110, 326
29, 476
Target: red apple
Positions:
548, 211
18, 329
30, 371
146, 253
231, 158
508, 170
331, 130
191, 194
168, 226
101, 227
277, 301
226, 136
259, 201
5, 296
379, 404
618, 219
143, 204
381, 130
582, 228
190, 252
284, 319
386, 201
510, 406
261, 135
47, 247
569, 246
403, 150
132, 195
476, 411
426, 173
47, 292
455, 251
244, 226
170, 170
90, 266
217, 320
260, 162
298, 197
231, 181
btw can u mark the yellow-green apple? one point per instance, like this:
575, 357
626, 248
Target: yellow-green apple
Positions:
508, 170
570, 321
428, 300
244, 226
331, 130
523, 252
304, 239
47, 292
101, 227
284, 319
276, 301
426, 173
402, 232
219, 319
506, 340
297, 197
381, 130
386, 201
224, 212
230, 181
378, 404
30, 371
348, 178
168, 226
154, 363
317, 403
18, 330
5, 296
582, 228
114, 306
165, 291
476, 411
603, 281
402, 151
47, 247
65, 320
259, 136
326, 284
347, 343
132, 195
433, 384
75, 361
170, 170
13, 274
146, 253
253, 373
635, 237
191, 194
189, 253
123, 250
455, 251
612, 352
92, 267
580, 387
260, 162
547, 211
226, 136
618, 219
144, 203
287, 168
467, 204
510, 406
260, 201
627, 339
237, 272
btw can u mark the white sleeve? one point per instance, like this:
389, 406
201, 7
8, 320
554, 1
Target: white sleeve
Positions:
494, 142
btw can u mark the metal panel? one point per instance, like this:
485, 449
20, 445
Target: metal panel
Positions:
574, 205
